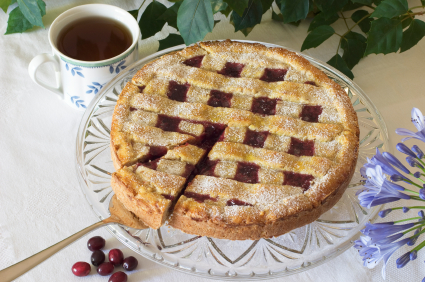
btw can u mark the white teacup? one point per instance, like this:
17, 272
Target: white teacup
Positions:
78, 82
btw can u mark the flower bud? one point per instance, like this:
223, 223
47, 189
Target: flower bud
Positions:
405, 150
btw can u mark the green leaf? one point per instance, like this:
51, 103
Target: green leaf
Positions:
351, 6
194, 20
317, 37
134, 13
364, 2
266, 4
250, 17
218, 6
412, 35
390, 9
17, 23
293, 11
42, 7
354, 45
323, 19
4, 4
423, 2
277, 17
385, 36
238, 6
338, 63
227, 11
31, 10
365, 23
330, 5
149, 22
377, 2
170, 41
170, 15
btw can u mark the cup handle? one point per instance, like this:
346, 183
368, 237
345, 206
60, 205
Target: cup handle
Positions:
36, 62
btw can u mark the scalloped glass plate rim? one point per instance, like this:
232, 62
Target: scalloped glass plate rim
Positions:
269, 275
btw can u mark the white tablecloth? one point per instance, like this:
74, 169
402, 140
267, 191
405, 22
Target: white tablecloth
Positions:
41, 203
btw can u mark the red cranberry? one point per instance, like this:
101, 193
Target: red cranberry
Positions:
105, 268
118, 277
116, 257
97, 258
81, 268
95, 243
130, 263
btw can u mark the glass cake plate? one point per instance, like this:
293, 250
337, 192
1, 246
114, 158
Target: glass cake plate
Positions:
296, 251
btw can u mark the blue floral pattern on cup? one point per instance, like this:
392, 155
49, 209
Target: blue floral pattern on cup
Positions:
75, 70
118, 68
78, 102
94, 88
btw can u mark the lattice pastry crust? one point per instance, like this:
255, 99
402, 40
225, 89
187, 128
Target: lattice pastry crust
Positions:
232, 140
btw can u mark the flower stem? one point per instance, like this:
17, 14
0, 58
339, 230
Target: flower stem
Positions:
421, 245
413, 207
413, 228
417, 193
416, 198
407, 219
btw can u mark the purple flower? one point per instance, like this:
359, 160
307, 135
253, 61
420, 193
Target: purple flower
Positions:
397, 178
419, 122
405, 209
372, 254
378, 190
414, 238
378, 159
413, 255
418, 151
413, 162
405, 150
384, 213
403, 260
395, 162
422, 194
380, 231
417, 174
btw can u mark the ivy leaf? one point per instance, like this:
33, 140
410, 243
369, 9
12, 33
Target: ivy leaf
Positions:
338, 63
330, 5
238, 6
317, 37
170, 41
149, 22
17, 23
195, 19
250, 17
377, 2
134, 13
42, 7
170, 15
412, 35
227, 11
365, 23
351, 6
32, 12
390, 9
354, 45
323, 19
423, 2
293, 11
385, 36
4, 4
266, 4
218, 6
364, 2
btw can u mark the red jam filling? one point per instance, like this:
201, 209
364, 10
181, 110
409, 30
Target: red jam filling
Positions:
152, 165
133, 109
236, 202
156, 152
273, 75
200, 198
311, 113
188, 170
247, 172
220, 99
194, 62
297, 179
168, 123
207, 167
177, 92
141, 88
255, 138
301, 148
311, 83
232, 69
264, 106
168, 197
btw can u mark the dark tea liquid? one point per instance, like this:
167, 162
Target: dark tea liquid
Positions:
94, 39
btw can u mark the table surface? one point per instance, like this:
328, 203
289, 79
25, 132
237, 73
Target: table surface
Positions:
40, 199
